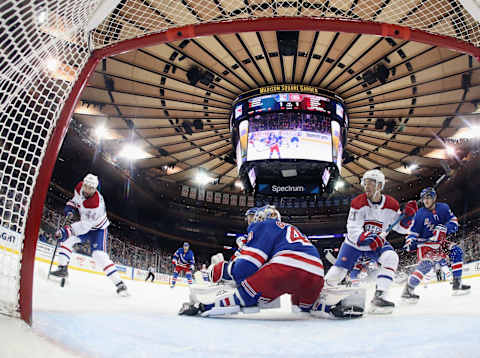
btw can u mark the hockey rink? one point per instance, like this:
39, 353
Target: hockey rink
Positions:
87, 319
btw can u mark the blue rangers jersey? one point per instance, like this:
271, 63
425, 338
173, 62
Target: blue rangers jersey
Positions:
425, 221
273, 241
182, 259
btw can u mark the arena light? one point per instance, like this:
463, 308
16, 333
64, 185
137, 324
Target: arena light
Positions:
450, 150
51, 64
239, 185
101, 132
412, 167
203, 178
339, 184
132, 152
42, 17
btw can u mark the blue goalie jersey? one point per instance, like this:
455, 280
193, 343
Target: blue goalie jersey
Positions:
425, 221
273, 241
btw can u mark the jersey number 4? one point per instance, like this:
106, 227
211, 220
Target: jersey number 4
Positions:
294, 236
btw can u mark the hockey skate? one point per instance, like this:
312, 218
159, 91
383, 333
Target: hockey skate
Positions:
379, 305
122, 289
408, 295
459, 289
61, 274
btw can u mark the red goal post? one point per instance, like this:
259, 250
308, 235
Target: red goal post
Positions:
47, 56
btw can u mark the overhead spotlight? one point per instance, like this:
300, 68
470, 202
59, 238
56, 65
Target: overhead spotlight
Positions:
339, 184
132, 152
412, 167
52, 64
203, 178
450, 150
42, 17
239, 185
101, 132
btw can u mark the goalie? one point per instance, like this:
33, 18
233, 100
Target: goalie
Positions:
276, 259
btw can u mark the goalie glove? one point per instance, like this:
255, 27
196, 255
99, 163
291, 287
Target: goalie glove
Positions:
374, 241
64, 233
439, 233
221, 271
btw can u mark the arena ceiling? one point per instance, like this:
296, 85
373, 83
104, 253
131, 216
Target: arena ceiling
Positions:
145, 97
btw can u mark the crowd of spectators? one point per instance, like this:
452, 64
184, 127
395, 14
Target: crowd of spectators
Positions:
309, 122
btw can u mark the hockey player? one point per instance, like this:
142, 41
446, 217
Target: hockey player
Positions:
183, 260
151, 274
92, 227
277, 259
370, 216
428, 236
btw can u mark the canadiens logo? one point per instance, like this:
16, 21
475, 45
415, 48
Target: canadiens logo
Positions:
373, 226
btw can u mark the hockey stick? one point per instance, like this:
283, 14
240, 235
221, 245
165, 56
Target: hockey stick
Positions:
61, 222
435, 186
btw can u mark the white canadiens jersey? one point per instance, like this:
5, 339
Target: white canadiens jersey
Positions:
93, 213
366, 216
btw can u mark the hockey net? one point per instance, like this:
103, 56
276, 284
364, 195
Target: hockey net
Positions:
48, 48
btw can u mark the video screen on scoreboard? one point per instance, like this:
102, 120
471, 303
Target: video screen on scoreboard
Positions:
289, 135
288, 101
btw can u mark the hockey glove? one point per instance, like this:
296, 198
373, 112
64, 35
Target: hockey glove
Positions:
410, 244
219, 272
374, 241
64, 233
408, 213
69, 211
439, 233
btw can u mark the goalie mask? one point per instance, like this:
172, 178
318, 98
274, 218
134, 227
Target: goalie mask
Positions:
267, 212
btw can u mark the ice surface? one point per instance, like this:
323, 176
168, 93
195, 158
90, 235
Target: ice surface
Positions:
86, 318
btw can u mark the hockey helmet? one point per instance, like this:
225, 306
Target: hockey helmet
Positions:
91, 180
251, 211
428, 191
266, 212
374, 174
186, 244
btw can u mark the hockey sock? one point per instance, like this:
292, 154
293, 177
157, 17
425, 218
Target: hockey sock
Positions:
103, 260
189, 277
389, 262
174, 278
64, 256
417, 276
456, 258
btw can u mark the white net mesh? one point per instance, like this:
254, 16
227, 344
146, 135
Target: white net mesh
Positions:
44, 46
42, 50
135, 18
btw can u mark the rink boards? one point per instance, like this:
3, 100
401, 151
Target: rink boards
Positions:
87, 264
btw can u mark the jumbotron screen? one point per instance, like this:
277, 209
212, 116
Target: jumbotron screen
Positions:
288, 127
